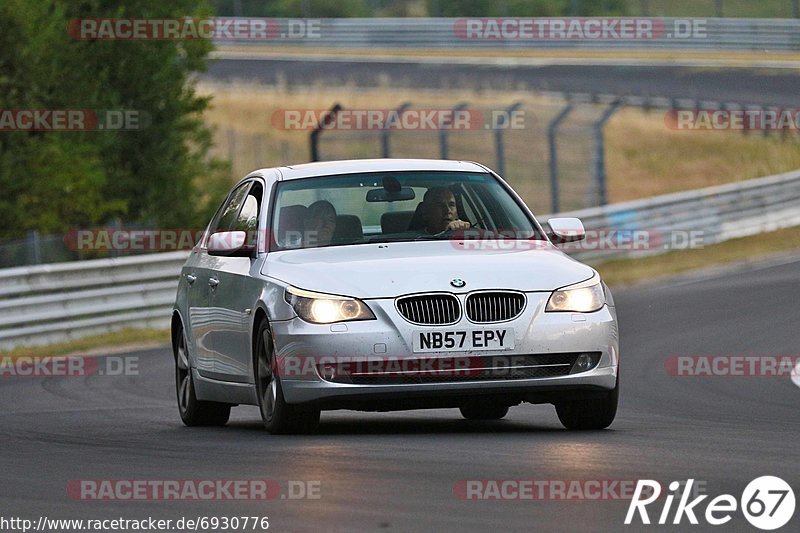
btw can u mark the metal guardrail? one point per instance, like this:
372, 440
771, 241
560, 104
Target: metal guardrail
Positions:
712, 215
718, 34
51, 303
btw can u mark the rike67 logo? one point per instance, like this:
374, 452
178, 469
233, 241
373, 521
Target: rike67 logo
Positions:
767, 503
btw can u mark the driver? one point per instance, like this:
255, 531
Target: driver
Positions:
439, 212
320, 223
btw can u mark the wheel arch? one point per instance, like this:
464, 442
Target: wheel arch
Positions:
259, 315
177, 322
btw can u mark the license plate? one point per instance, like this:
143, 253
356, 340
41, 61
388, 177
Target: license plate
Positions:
462, 340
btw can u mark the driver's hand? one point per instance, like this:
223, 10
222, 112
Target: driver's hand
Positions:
457, 225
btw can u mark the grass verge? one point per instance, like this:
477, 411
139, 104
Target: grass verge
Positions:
644, 157
115, 341
631, 271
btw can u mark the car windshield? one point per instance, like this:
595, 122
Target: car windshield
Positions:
395, 207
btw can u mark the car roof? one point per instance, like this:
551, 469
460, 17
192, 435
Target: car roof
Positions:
355, 166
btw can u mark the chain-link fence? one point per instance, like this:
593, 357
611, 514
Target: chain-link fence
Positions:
517, 139
79, 244
35, 249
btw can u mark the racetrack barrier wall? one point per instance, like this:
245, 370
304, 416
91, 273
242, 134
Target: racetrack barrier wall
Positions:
447, 33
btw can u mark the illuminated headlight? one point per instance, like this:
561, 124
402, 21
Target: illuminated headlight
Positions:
584, 297
321, 308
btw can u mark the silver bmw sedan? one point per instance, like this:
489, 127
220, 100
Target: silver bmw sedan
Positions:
389, 284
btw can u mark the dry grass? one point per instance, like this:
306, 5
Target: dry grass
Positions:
644, 157
629, 271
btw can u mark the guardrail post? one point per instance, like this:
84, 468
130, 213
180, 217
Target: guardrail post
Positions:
764, 110
443, 148
498, 137
552, 130
385, 131
313, 137
599, 153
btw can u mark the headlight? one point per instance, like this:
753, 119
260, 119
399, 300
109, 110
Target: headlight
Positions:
584, 297
321, 308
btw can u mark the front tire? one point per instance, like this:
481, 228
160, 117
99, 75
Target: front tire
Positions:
589, 414
193, 411
278, 416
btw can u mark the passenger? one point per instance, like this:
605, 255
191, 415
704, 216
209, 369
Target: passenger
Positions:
439, 211
320, 224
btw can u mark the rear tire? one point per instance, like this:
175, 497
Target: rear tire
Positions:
193, 411
483, 412
589, 414
278, 416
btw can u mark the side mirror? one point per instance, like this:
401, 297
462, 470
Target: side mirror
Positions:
230, 244
566, 229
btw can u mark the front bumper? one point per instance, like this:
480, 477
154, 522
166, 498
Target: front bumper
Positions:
300, 347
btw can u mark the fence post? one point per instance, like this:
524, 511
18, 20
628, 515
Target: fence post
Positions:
443, 148
313, 137
552, 130
259, 145
599, 154
498, 137
231, 134
385, 131
34, 248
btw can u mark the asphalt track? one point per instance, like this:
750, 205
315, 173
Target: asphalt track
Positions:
397, 471
746, 85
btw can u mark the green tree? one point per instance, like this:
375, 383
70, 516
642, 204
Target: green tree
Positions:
54, 180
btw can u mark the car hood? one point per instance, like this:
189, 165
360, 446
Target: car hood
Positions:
393, 269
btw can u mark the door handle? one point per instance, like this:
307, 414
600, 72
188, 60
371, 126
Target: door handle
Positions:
213, 282
191, 278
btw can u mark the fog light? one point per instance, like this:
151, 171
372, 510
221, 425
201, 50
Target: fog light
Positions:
584, 362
